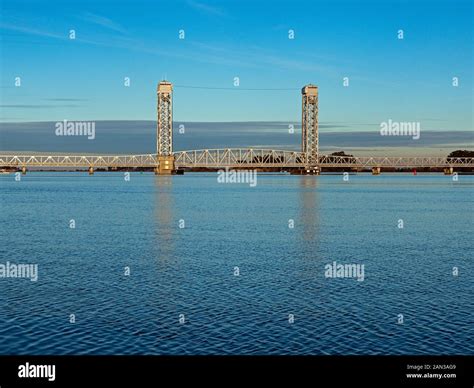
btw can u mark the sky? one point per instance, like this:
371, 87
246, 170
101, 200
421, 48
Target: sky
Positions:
409, 79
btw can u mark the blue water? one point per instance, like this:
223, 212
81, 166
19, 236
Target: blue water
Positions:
190, 270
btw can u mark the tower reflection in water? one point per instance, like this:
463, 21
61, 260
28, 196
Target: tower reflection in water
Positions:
309, 235
165, 225
309, 209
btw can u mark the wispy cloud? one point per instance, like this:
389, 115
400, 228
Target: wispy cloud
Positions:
229, 55
261, 57
119, 42
206, 8
38, 106
103, 22
31, 31
65, 99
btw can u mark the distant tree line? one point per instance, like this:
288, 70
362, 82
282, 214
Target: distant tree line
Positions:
461, 154
341, 153
330, 158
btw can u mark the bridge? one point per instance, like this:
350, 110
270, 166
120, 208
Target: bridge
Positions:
230, 158
166, 161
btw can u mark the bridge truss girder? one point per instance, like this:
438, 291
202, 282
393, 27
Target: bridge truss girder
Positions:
230, 157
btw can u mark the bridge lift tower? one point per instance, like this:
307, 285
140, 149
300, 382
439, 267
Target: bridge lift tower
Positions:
164, 135
309, 129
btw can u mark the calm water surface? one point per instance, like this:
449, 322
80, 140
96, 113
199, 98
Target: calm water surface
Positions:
190, 270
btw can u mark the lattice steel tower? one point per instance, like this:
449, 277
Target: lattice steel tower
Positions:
309, 126
164, 134
164, 131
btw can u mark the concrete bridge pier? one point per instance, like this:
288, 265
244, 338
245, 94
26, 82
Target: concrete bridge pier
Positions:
312, 171
448, 171
91, 170
375, 170
306, 171
23, 170
165, 165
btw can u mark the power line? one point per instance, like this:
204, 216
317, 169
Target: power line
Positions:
231, 88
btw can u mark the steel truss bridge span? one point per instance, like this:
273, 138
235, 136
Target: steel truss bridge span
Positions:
230, 158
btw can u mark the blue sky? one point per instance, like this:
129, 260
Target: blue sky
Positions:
82, 79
